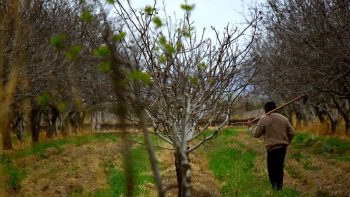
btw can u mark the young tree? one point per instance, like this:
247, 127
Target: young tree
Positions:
12, 55
182, 80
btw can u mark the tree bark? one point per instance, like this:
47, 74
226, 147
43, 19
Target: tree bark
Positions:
345, 112
35, 117
18, 127
5, 131
334, 120
178, 167
320, 114
347, 126
52, 122
182, 174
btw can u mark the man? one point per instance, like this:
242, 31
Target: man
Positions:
278, 133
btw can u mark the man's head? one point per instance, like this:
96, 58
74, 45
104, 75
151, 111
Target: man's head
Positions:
269, 106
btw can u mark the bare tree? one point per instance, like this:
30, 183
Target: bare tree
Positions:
302, 49
13, 34
182, 80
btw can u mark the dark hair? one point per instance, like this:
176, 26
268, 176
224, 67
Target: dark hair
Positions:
269, 106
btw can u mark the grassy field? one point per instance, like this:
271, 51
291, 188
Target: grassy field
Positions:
234, 164
315, 166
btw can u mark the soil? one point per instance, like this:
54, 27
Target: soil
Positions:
73, 169
203, 181
62, 172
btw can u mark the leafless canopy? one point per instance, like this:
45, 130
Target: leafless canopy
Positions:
183, 80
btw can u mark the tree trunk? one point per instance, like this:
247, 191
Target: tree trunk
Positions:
35, 118
74, 121
182, 174
18, 127
299, 116
347, 126
320, 114
334, 120
52, 122
51, 130
334, 125
178, 171
5, 131
345, 112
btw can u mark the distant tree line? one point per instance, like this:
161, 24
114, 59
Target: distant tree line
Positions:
303, 48
47, 70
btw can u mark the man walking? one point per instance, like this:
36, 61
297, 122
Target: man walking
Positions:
278, 133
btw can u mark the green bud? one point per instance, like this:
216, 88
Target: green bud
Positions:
201, 66
105, 67
162, 41
169, 48
162, 59
57, 41
61, 106
194, 80
149, 10
86, 16
110, 1
102, 51
139, 76
42, 100
119, 37
73, 52
179, 45
187, 7
157, 22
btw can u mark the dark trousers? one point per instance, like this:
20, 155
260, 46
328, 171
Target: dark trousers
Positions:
275, 161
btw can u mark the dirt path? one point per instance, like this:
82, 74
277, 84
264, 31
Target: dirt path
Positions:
203, 181
311, 174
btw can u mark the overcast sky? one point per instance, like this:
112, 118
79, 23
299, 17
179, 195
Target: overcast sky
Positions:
216, 13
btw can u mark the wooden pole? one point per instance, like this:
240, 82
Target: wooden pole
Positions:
280, 107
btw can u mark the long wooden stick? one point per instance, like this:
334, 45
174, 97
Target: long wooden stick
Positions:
280, 107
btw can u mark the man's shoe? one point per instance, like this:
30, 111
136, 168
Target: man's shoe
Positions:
280, 186
276, 186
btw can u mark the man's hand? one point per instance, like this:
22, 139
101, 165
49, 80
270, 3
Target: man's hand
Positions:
249, 125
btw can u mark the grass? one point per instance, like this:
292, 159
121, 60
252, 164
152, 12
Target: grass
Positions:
333, 147
232, 163
304, 159
14, 174
234, 168
141, 174
116, 181
42, 146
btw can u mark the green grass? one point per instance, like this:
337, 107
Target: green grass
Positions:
141, 174
304, 159
234, 169
332, 147
42, 146
116, 181
15, 175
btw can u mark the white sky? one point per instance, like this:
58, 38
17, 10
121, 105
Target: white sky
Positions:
216, 13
